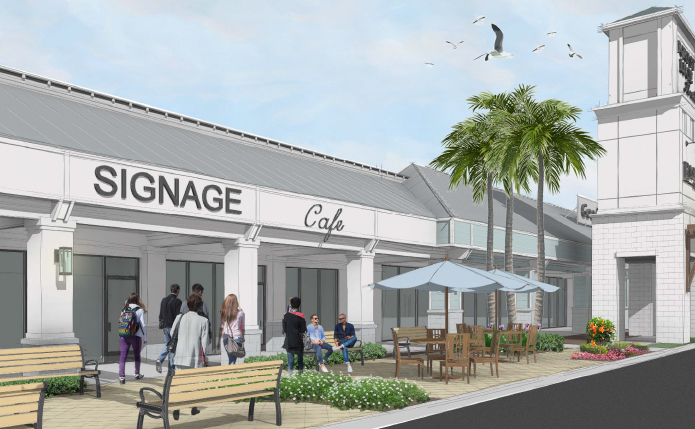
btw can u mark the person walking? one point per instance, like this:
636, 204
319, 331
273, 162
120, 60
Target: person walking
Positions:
294, 326
191, 329
344, 337
318, 338
168, 310
232, 325
203, 311
133, 333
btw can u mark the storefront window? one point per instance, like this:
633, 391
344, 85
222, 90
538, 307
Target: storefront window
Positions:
401, 308
13, 281
318, 290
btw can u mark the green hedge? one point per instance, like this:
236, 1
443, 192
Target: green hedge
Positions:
544, 342
371, 351
618, 345
588, 348
54, 386
639, 346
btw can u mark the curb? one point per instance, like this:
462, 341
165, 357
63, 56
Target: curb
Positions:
419, 411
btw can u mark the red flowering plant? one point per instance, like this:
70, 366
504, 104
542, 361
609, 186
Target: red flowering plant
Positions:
599, 331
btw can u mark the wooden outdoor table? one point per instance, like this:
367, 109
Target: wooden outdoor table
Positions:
434, 341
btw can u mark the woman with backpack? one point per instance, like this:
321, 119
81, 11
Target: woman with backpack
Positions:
132, 333
233, 325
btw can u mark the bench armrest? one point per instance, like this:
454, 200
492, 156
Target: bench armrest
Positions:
142, 396
360, 343
91, 362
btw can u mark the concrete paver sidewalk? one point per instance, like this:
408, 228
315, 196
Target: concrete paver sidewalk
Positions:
116, 409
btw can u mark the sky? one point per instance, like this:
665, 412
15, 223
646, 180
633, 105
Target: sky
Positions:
347, 78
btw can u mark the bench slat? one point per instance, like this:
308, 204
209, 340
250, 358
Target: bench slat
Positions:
38, 350
215, 393
24, 362
20, 387
231, 369
219, 400
19, 408
33, 377
221, 383
19, 419
241, 376
37, 356
35, 368
22, 398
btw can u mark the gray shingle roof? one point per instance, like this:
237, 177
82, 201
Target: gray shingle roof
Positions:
558, 222
648, 11
85, 126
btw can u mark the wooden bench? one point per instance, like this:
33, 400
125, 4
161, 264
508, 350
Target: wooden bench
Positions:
47, 362
330, 339
408, 333
189, 388
22, 404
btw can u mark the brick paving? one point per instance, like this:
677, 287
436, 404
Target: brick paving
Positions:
116, 408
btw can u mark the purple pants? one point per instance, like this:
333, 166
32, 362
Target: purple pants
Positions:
126, 342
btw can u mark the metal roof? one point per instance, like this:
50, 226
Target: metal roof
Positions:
63, 117
558, 222
648, 11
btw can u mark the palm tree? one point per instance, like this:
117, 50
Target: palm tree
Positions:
515, 178
544, 133
465, 157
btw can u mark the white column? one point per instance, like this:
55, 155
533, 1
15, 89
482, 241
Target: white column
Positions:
49, 295
241, 279
153, 287
360, 298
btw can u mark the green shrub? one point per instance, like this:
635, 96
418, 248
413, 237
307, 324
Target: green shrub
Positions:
370, 350
618, 345
599, 330
345, 393
550, 342
588, 348
54, 386
639, 346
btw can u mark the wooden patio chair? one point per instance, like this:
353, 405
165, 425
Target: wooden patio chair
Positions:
457, 355
400, 360
529, 347
477, 339
494, 354
435, 351
461, 328
513, 340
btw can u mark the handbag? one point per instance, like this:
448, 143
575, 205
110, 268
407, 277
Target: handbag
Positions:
171, 345
235, 349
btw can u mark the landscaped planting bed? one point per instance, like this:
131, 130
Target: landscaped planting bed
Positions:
371, 352
347, 393
614, 351
54, 386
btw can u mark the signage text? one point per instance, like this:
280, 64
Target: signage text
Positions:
324, 222
686, 64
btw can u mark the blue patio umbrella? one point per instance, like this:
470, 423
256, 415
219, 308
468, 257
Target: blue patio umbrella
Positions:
532, 286
447, 275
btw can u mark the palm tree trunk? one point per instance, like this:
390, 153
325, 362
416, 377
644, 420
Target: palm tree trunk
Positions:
491, 307
509, 256
540, 268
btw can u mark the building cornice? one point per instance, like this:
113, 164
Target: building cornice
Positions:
616, 109
675, 11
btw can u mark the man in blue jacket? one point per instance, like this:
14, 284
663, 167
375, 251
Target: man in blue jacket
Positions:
318, 339
344, 337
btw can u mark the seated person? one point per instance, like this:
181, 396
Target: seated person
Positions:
318, 339
344, 338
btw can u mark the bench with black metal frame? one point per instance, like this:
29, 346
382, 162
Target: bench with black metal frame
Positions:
330, 339
14, 363
190, 388
22, 404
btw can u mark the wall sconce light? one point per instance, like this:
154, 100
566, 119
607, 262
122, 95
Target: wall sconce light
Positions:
63, 257
687, 143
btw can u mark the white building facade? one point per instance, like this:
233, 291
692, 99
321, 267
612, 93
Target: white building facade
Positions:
144, 198
646, 191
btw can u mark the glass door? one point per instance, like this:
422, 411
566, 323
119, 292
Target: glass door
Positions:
118, 289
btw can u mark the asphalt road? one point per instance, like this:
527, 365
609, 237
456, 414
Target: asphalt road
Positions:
659, 393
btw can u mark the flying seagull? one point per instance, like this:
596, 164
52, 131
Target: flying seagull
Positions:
497, 52
552, 33
539, 48
479, 20
429, 65
574, 53
455, 45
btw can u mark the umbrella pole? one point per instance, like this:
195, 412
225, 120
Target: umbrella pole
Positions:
497, 310
446, 311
